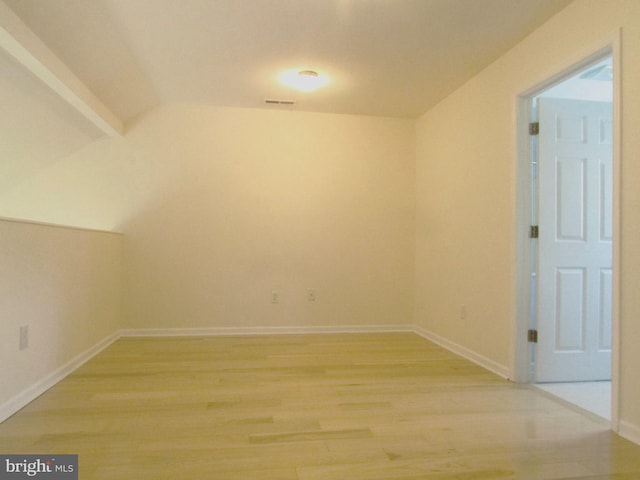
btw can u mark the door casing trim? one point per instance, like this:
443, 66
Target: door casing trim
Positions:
521, 353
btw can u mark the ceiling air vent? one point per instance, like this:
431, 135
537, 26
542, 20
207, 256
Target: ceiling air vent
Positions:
271, 101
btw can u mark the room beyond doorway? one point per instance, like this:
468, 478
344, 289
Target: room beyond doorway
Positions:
594, 397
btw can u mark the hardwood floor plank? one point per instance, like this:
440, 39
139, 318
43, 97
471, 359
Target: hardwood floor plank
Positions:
286, 437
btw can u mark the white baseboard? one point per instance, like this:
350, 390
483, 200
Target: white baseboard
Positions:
481, 360
629, 431
474, 357
624, 429
470, 355
291, 330
31, 393
23, 398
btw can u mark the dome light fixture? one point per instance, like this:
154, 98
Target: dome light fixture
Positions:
304, 80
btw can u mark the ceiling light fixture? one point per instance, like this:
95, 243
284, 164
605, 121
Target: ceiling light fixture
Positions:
304, 80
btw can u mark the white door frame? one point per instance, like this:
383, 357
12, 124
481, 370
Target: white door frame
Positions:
524, 253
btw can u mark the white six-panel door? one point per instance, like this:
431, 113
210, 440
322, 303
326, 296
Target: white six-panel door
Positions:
575, 241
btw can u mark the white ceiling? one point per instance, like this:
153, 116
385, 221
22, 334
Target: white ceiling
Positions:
384, 57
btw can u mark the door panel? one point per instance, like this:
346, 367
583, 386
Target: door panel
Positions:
570, 195
570, 319
574, 246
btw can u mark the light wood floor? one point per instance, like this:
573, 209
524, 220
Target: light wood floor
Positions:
316, 407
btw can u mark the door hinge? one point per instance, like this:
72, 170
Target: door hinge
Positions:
534, 128
532, 336
533, 231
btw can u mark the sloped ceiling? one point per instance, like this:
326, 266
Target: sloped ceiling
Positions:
36, 126
383, 57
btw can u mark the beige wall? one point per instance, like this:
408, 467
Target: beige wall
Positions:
466, 191
243, 202
64, 284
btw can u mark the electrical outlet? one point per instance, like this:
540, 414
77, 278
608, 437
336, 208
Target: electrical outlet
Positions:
275, 297
311, 295
463, 312
24, 337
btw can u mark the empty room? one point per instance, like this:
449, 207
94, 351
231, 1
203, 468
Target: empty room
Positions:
313, 240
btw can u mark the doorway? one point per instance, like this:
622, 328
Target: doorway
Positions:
570, 151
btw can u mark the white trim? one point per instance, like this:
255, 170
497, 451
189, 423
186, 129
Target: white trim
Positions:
289, 330
480, 360
18, 41
55, 225
28, 395
616, 48
629, 431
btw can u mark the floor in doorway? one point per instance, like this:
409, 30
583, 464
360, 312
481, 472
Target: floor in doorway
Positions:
594, 397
